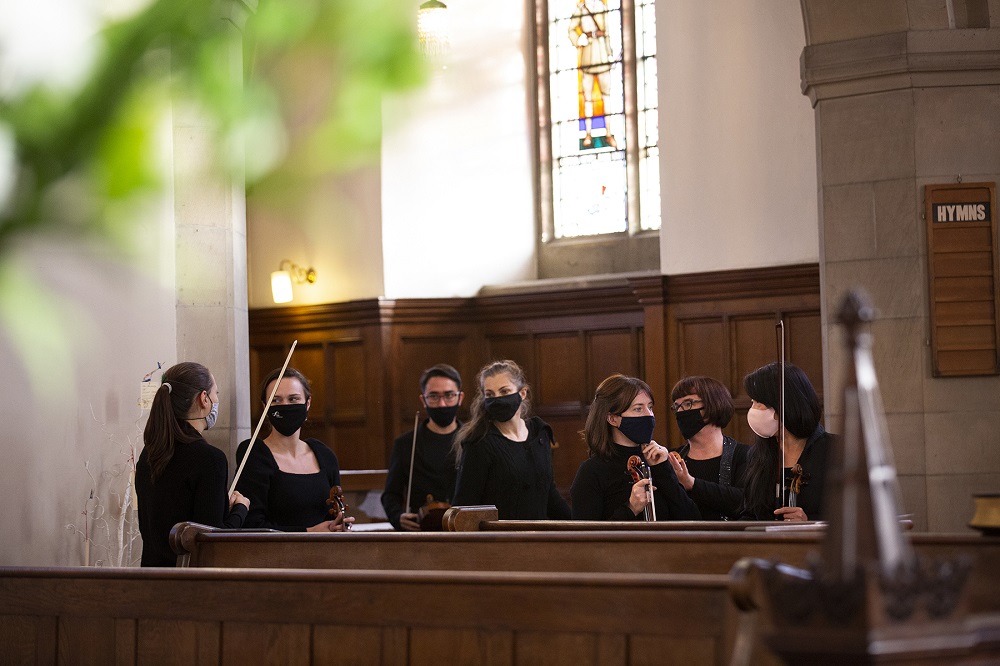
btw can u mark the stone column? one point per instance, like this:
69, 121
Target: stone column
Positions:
903, 98
211, 250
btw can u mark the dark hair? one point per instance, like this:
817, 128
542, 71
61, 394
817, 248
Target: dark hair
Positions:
479, 421
440, 370
613, 396
166, 426
802, 415
289, 372
717, 402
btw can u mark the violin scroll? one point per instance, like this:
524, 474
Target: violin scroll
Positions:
338, 506
431, 514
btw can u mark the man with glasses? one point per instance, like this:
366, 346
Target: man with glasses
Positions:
433, 463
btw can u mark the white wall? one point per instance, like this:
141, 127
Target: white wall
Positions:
70, 392
457, 197
738, 153
337, 232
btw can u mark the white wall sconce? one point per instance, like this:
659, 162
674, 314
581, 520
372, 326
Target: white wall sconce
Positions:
281, 280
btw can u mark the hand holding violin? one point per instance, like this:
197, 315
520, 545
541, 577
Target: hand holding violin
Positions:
791, 513
639, 498
410, 522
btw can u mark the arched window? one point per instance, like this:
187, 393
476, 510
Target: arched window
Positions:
597, 119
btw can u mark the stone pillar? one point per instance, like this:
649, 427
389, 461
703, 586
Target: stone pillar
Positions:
903, 100
211, 250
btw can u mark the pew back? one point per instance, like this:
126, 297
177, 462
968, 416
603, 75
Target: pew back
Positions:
183, 616
587, 551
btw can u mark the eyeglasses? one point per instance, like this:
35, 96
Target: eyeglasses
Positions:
441, 398
685, 405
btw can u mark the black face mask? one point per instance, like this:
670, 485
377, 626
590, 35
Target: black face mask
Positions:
287, 419
502, 408
442, 416
639, 429
690, 422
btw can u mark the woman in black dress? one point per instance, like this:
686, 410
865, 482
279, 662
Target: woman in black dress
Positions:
287, 478
179, 476
807, 447
711, 465
620, 425
505, 456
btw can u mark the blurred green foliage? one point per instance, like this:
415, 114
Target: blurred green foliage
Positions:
85, 158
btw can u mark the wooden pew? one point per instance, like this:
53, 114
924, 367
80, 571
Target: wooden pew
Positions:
185, 616
583, 551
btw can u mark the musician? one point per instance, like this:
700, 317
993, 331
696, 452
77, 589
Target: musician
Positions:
179, 476
287, 478
506, 456
434, 465
620, 425
710, 466
807, 446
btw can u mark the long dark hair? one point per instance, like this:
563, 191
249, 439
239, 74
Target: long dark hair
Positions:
479, 421
802, 415
166, 426
613, 396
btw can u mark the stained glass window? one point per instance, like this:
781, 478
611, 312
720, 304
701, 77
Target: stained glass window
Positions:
598, 88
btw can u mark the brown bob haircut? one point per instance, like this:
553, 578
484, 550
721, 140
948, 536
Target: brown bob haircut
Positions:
717, 402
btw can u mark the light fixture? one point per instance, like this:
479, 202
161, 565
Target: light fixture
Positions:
281, 280
432, 28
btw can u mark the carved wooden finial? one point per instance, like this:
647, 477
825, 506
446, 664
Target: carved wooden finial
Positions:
856, 309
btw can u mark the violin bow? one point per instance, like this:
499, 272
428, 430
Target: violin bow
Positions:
413, 451
780, 328
263, 415
649, 489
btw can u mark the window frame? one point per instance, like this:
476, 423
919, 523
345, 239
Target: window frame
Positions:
616, 252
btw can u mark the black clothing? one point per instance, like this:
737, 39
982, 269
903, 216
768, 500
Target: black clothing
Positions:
515, 476
282, 500
814, 461
434, 472
716, 499
192, 488
602, 489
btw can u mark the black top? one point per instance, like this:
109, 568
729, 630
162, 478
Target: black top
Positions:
434, 472
515, 476
814, 461
192, 488
716, 500
282, 500
602, 489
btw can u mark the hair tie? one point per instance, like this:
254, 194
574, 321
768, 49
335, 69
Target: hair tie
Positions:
167, 384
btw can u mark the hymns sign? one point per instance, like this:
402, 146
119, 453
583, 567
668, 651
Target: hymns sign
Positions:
964, 212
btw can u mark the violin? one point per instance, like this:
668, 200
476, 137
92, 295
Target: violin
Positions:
431, 514
795, 485
638, 469
338, 507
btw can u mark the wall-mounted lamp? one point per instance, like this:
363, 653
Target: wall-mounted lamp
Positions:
432, 28
281, 280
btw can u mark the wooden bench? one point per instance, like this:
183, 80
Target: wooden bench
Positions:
583, 551
184, 616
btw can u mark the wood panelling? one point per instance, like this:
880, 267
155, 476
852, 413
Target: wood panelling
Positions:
561, 379
377, 617
567, 340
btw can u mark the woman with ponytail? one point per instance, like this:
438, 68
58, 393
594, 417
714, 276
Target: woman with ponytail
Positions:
179, 476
